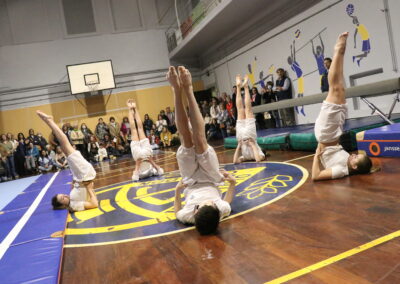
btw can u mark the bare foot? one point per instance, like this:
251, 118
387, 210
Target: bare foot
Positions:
245, 81
131, 104
172, 77
340, 46
185, 76
43, 116
238, 81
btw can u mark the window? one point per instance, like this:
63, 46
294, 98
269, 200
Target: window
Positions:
79, 16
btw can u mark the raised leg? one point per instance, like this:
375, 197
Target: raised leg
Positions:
336, 94
239, 102
131, 106
66, 147
139, 123
181, 118
247, 99
195, 117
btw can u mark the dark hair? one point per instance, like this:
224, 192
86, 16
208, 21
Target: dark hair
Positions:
364, 166
56, 204
206, 220
329, 59
280, 69
112, 118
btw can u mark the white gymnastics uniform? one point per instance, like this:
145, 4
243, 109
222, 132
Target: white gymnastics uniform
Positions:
246, 129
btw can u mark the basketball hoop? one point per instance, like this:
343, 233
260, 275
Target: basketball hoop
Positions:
93, 86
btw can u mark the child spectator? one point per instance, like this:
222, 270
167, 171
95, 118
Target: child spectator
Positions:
45, 163
60, 160
165, 137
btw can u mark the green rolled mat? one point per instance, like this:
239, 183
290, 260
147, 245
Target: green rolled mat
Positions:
303, 142
230, 142
274, 143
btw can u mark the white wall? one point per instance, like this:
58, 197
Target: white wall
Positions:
274, 48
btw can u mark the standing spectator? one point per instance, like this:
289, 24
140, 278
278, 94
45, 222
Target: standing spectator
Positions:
164, 116
171, 120
32, 137
207, 121
165, 137
160, 123
60, 160
147, 124
284, 92
113, 127
324, 77
214, 109
31, 156
234, 101
8, 145
87, 133
45, 163
65, 130
229, 107
222, 119
101, 129
269, 97
125, 130
77, 139
255, 97
205, 108
19, 156
3, 168
41, 141
224, 97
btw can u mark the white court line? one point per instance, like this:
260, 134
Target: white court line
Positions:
5, 244
299, 158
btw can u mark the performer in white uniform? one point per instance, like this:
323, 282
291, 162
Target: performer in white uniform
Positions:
82, 195
335, 161
246, 133
140, 147
198, 163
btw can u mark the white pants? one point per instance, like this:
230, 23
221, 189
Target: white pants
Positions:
329, 124
246, 128
141, 149
198, 168
81, 169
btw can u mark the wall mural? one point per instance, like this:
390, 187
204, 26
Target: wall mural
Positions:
299, 73
362, 31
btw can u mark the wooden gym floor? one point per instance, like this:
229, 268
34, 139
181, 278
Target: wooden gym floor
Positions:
321, 224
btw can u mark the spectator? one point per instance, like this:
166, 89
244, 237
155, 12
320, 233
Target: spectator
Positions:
8, 146
165, 137
269, 95
87, 133
284, 92
125, 130
113, 127
31, 156
60, 160
41, 141
154, 140
111, 147
50, 152
255, 97
234, 101
77, 139
19, 156
212, 132
101, 129
171, 120
45, 163
224, 97
214, 109
160, 123
3, 168
222, 119
324, 77
65, 130
205, 108
102, 152
53, 140
32, 137
147, 124
93, 149
229, 107
164, 116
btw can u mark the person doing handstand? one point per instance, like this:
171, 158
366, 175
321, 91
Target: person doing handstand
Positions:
198, 163
82, 194
141, 149
246, 133
335, 161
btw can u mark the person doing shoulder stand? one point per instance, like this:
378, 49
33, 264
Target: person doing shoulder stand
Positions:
198, 163
82, 195
335, 161
246, 133
140, 147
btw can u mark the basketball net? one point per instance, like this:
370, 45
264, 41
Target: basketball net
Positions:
93, 87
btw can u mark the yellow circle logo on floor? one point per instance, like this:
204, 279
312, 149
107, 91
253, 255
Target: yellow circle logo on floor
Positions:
138, 210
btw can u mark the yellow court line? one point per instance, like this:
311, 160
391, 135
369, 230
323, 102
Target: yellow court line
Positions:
335, 258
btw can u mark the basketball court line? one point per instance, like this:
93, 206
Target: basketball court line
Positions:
335, 258
5, 244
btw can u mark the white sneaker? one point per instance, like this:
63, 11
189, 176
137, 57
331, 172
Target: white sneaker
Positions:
135, 177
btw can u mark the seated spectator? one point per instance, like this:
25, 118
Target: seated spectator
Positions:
60, 160
154, 140
207, 121
111, 148
113, 127
41, 141
222, 119
213, 130
93, 149
51, 152
102, 153
101, 129
125, 130
205, 108
160, 123
45, 163
165, 137
31, 156
224, 97
147, 124
230, 107
214, 109
164, 116
77, 139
